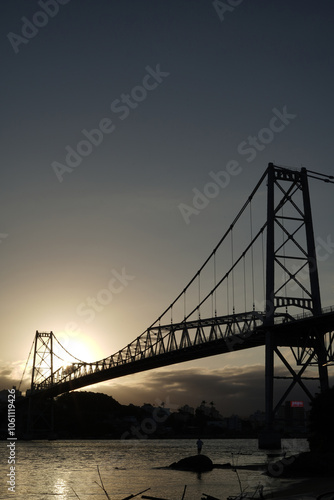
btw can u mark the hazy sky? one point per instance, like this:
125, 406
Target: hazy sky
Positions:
113, 113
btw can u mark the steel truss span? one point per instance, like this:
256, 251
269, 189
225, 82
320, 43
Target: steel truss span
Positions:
177, 343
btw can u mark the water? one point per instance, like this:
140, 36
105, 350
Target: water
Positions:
47, 470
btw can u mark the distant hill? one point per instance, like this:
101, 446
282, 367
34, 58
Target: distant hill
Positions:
88, 415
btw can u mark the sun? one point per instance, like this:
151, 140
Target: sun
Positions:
69, 350
81, 349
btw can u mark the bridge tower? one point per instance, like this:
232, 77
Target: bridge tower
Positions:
43, 359
40, 411
292, 282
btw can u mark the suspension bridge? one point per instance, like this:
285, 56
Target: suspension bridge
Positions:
258, 287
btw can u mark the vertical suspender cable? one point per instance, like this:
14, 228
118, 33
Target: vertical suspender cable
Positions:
263, 268
252, 252
232, 255
184, 304
227, 295
199, 295
225, 277
215, 282
226, 234
244, 266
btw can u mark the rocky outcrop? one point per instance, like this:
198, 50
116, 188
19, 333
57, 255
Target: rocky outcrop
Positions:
196, 463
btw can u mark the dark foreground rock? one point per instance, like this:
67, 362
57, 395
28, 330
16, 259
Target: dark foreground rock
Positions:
196, 463
308, 464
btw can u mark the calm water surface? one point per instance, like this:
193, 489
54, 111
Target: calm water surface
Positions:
47, 470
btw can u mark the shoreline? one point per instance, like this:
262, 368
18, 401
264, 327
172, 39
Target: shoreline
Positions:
310, 487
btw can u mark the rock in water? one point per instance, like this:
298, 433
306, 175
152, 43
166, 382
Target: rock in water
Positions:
196, 463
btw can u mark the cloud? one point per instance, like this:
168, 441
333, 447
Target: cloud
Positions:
7, 380
11, 374
233, 389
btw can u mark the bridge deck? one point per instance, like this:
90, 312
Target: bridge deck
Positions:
186, 341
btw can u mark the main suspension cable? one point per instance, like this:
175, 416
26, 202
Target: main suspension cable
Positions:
327, 177
213, 252
77, 359
230, 270
24, 371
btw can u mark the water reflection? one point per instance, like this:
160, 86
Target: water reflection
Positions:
60, 488
54, 469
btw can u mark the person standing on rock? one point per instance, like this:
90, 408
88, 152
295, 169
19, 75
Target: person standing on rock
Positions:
199, 446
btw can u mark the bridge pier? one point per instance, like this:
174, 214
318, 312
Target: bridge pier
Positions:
40, 418
269, 439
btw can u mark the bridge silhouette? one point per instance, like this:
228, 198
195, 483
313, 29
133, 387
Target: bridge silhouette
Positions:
260, 292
